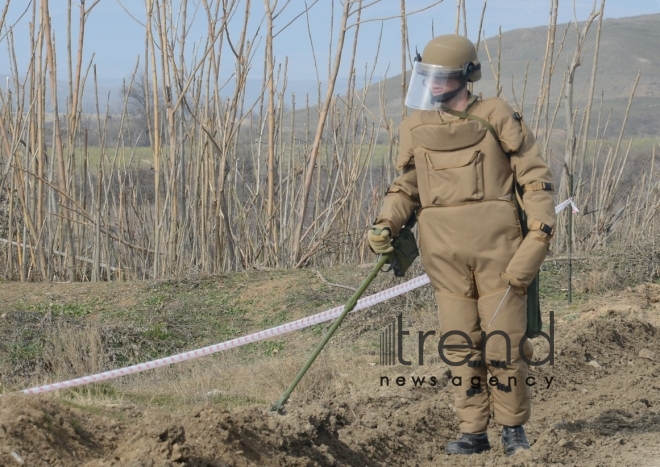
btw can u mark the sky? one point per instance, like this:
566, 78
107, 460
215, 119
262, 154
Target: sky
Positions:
115, 40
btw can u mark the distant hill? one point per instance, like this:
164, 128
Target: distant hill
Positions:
628, 45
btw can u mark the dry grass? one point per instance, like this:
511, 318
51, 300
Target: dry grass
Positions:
230, 379
75, 351
599, 281
66, 346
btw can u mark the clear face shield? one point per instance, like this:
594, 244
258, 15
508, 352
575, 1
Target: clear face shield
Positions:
431, 85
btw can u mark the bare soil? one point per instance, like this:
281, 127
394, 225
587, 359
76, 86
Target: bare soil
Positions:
602, 408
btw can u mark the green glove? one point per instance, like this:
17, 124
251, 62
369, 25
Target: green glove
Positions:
380, 239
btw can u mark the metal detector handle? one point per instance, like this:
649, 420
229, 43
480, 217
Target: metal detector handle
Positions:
278, 406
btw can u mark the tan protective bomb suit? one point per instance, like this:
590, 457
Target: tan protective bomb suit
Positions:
461, 178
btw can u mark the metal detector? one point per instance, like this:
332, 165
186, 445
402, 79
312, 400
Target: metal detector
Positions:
400, 259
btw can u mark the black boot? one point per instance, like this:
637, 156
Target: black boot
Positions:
513, 438
469, 443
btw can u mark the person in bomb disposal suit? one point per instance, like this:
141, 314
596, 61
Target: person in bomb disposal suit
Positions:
460, 158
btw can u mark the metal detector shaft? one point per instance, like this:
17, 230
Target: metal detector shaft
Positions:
279, 405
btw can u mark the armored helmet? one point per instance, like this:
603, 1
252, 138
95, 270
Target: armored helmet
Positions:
445, 57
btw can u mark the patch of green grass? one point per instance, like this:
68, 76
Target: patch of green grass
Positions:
276, 319
190, 299
233, 311
158, 332
220, 331
70, 309
258, 349
140, 156
317, 329
20, 353
163, 318
273, 347
554, 284
155, 301
56, 309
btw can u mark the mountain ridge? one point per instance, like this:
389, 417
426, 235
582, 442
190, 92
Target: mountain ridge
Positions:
631, 39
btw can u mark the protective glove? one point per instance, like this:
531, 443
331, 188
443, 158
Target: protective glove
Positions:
380, 239
518, 287
527, 261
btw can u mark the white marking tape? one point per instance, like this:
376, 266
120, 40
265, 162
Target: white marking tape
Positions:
569, 202
327, 315
276, 331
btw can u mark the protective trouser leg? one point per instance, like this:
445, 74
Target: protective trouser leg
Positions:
461, 314
501, 348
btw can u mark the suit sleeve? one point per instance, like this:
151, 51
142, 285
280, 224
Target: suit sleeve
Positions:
402, 197
533, 175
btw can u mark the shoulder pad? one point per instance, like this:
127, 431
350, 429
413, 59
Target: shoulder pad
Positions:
504, 120
405, 154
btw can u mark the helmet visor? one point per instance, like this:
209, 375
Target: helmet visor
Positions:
428, 83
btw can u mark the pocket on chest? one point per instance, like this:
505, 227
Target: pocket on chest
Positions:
455, 176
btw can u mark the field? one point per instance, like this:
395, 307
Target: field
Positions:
192, 214
597, 405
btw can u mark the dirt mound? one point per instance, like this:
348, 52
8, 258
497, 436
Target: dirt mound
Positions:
599, 404
42, 431
365, 432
